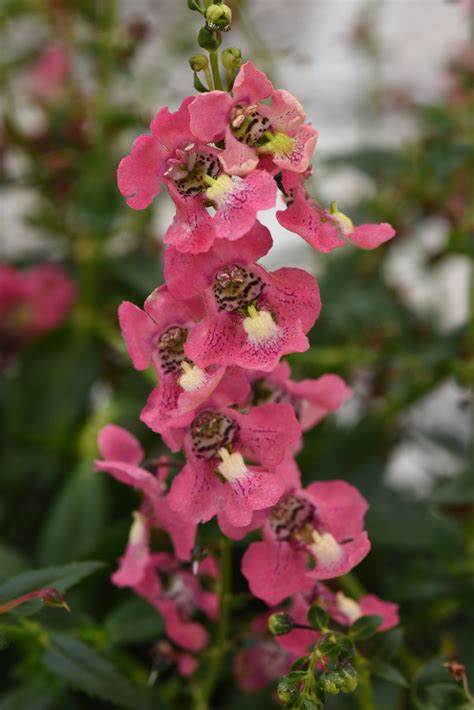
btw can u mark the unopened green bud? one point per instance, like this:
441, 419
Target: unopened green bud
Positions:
280, 623
330, 682
288, 689
219, 17
208, 40
232, 58
199, 62
350, 679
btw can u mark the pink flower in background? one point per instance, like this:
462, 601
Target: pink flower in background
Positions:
50, 73
325, 230
322, 525
265, 661
123, 454
342, 609
253, 129
253, 317
33, 301
176, 593
312, 400
193, 175
217, 479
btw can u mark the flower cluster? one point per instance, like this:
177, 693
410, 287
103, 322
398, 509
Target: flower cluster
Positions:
215, 335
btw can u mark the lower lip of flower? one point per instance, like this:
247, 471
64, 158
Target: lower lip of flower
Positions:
277, 144
259, 326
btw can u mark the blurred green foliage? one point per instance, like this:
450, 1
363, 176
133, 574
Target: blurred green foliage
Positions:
59, 391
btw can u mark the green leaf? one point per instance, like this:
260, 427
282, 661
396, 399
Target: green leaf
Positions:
76, 518
198, 85
83, 668
330, 648
365, 627
62, 578
388, 672
317, 617
347, 647
309, 705
133, 621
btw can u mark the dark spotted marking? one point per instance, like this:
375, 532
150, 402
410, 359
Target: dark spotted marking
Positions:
236, 287
171, 348
211, 431
289, 516
194, 183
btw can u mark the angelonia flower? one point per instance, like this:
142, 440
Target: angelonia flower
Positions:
33, 302
215, 335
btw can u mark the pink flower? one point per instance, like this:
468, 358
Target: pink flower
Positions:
342, 609
33, 301
176, 593
312, 399
49, 74
322, 525
253, 129
253, 317
216, 479
265, 661
193, 175
157, 335
122, 455
322, 229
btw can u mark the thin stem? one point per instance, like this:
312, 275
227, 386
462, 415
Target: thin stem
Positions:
215, 69
365, 691
219, 648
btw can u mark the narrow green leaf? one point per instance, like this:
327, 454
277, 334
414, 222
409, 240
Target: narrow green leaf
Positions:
317, 617
365, 627
388, 672
198, 85
83, 668
62, 578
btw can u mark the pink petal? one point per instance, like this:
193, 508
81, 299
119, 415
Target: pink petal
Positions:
340, 508
299, 160
192, 229
267, 432
186, 664
139, 333
237, 214
237, 158
195, 494
294, 294
251, 85
181, 530
138, 478
118, 444
139, 173
257, 491
319, 398
172, 129
371, 605
274, 571
210, 115
353, 552
370, 236
285, 112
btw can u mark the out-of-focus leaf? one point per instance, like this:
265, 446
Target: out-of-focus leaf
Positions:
76, 518
62, 578
83, 668
458, 491
12, 562
133, 621
388, 672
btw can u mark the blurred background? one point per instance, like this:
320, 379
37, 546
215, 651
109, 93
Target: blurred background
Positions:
390, 87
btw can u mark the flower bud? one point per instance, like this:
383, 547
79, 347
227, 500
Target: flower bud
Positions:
350, 679
280, 623
219, 17
232, 58
208, 40
288, 689
330, 682
199, 62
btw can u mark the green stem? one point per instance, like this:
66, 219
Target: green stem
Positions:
365, 691
219, 648
350, 585
215, 69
